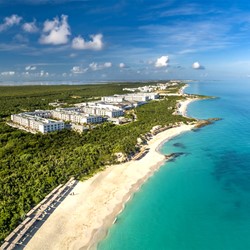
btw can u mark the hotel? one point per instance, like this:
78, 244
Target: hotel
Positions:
37, 123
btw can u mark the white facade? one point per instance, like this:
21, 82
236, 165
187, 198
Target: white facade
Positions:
50, 126
40, 113
37, 123
138, 97
76, 117
115, 98
141, 97
101, 111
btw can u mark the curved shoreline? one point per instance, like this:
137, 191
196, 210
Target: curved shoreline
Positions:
82, 220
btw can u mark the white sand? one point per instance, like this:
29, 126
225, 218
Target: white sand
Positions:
183, 105
82, 219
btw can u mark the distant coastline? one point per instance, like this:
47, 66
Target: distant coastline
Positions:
87, 82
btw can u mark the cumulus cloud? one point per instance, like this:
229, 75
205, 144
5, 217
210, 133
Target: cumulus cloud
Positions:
162, 62
92, 66
43, 73
30, 27
122, 65
25, 73
95, 66
78, 70
95, 44
8, 73
56, 32
197, 65
107, 65
30, 68
10, 21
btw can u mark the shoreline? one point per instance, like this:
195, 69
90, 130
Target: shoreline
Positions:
184, 104
82, 220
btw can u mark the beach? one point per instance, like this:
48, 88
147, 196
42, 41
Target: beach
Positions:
184, 104
82, 219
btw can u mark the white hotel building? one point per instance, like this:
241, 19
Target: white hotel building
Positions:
37, 123
138, 97
102, 109
73, 115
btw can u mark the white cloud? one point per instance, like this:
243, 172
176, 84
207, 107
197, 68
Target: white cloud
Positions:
30, 68
43, 73
197, 65
80, 44
122, 65
95, 66
56, 32
78, 70
30, 27
8, 73
25, 73
107, 64
161, 62
10, 21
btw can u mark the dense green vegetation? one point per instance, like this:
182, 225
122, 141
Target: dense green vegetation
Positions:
32, 165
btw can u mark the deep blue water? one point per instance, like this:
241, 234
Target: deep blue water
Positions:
200, 201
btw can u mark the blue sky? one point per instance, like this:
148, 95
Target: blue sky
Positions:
94, 40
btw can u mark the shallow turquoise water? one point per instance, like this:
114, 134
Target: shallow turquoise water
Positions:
200, 201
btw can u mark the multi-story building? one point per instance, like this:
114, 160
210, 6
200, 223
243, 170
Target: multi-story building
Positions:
40, 113
51, 125
102, 109
37, 123
139, 97
73, 115
114, 98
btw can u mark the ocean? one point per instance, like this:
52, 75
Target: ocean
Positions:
201, 200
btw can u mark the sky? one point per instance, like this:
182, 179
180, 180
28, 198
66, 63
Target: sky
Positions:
93, 40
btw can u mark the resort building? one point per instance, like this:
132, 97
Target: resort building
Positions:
114, 98
40, 113
139, 97
37, 123
74, 115
102, 109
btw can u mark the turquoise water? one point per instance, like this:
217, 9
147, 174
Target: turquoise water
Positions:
200, 201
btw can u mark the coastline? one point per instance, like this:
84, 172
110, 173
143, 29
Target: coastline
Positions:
184, 104
83, 219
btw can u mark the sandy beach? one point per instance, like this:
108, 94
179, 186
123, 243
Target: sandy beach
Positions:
184, 104
82, 219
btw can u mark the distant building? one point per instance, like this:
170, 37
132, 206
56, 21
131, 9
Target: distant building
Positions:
114, 98
139, 97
